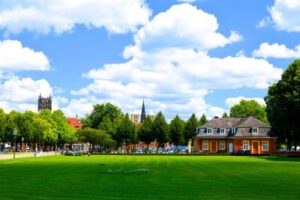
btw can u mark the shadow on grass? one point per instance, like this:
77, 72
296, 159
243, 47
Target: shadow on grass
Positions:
280, 158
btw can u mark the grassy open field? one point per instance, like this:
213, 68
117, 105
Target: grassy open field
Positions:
150, 177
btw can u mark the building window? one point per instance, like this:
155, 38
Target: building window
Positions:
205, 145
265, 146
209, 131
255, 130
233, 130
222, 130
246, 145
222, 145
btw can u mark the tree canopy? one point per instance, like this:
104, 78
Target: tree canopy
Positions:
161, 129
283, 105
146, 133
177, 131
190, 128
249, 108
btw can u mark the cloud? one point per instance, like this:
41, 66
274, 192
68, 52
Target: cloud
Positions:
15, 57
173, 71
181, 26
23, 89
276, 50
236, 100
117, 16
21, 94
285, 15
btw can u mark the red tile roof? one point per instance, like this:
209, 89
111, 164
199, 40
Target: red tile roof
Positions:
75, 123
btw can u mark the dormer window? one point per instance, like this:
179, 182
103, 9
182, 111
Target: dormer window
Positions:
233, 130
255, 130
209, 131
222, 131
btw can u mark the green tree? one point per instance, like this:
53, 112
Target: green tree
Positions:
249, 108
100, 113
203, 120
283, 105
190, 128
161, 130
146, 133
225, 115
65, 133
177, 131
94, 137
126, 132
3, 124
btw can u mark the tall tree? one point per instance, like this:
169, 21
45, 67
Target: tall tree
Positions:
101, 112
94, 137
177, 131
190, 128
126, 132
225, 115
249, 108
161, 130
3, 123
203, 120
146, 133
283, 105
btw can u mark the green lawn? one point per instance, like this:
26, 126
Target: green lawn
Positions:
150, 177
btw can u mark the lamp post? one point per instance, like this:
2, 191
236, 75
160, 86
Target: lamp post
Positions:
15, 141
22, 144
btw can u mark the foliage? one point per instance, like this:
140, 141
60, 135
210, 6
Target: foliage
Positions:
161, 129
44, 127
146, 133
94, 136
203, 120
225, 115
190, 128
177, 131
102, 113
126, 132
283, 105
249, 108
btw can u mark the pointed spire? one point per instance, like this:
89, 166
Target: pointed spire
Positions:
143, 114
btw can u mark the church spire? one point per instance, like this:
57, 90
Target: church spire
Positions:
143, 115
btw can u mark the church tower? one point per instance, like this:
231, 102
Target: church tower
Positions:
143, 114
44, 103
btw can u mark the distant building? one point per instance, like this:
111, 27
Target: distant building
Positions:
135, 118
44, 103
143, 114
75, 123
139, 118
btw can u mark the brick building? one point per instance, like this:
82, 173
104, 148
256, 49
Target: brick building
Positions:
229, 135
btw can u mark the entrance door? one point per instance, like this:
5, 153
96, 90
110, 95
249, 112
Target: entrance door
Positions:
230, 147
213, 146
255, 147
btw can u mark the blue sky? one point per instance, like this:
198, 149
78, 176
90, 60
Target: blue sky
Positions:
182, 58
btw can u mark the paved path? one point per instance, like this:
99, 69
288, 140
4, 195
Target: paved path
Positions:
25, 155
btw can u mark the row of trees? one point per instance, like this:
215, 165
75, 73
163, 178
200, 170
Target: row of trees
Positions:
46, 128
112, 127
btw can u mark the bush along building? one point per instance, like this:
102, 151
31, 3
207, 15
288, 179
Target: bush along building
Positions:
235, 135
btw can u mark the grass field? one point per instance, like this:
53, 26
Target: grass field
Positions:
150, 177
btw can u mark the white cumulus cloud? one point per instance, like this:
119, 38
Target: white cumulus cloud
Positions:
170, 67
181, 26
236, 100
44, 16
15, 57
276, 50
285, 15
